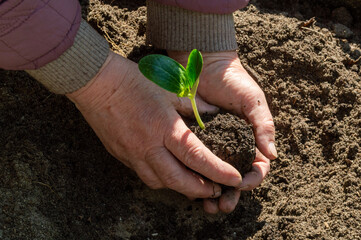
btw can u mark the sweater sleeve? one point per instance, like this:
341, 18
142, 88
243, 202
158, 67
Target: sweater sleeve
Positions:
51, 42
174, 27
77, 65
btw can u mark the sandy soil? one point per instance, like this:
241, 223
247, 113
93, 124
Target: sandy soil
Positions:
58, 182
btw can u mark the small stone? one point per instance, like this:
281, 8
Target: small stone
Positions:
354, 68
342, 31
342, 15
356, 53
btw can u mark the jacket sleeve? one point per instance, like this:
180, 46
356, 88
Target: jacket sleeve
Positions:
207, 6
35, 32
51, 42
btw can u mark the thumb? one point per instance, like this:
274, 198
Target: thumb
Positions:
258, 113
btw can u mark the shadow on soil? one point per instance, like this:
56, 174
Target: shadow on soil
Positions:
54, 166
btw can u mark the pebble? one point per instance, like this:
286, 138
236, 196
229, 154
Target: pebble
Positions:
356, 53
342, 31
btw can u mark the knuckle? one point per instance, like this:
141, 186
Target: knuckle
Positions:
153, 153
269, 124
172, 180
253, 92
154, 184
194, 157
151, 180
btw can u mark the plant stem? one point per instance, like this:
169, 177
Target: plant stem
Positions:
195, 110
192, 97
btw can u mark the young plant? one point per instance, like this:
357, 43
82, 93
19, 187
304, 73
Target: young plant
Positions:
171, 75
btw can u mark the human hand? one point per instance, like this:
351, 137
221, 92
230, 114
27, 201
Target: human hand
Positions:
225, 83
139, 124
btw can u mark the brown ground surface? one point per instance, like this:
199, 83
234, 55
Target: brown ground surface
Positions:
58, 182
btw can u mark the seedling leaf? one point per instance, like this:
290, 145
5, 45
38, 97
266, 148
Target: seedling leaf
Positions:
170, 75
165, 72
194, 67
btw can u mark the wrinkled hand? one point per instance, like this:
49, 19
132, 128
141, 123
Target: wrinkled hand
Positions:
139, 124
225, 83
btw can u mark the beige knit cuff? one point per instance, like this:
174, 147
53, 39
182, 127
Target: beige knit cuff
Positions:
177, 29
77, 65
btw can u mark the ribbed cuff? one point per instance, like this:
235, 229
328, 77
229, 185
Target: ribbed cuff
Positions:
177, 29
77, 65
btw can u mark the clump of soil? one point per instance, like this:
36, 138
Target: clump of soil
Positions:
228, 137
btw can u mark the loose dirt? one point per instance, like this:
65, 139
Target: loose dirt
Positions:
229, 137
58, 182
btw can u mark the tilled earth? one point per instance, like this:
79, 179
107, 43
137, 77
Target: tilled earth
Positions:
58, 182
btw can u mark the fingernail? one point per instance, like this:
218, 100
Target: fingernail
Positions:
217, 191
239, 180
216, 194
272, 149
243, 187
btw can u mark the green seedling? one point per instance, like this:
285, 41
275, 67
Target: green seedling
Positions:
171, 75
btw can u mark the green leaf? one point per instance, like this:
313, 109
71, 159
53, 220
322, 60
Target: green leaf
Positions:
194, 66
165, 72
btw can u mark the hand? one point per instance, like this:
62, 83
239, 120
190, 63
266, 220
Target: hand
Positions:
139, 124
225, 83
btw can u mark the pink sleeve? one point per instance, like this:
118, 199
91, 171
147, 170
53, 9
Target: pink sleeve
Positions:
207, 6
36, 32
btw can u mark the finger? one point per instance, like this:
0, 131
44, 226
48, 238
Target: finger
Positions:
184, 107
256, 110
229, 200
210, 205
204, 107
175, 176
192, 152
260, 168
148, 176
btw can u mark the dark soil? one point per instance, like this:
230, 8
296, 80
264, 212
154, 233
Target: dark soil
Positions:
228, 137
58, 182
